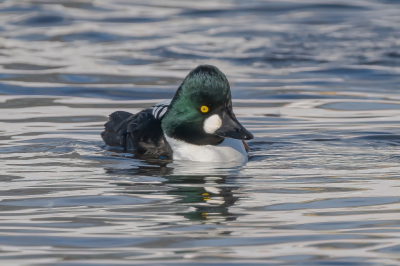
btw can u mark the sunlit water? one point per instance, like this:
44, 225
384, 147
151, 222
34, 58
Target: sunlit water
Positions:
316, 82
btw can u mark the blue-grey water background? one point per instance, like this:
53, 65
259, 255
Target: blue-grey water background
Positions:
317, 82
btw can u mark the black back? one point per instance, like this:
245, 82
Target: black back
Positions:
139, 133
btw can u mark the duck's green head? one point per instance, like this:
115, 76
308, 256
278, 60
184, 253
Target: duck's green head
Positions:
201, 110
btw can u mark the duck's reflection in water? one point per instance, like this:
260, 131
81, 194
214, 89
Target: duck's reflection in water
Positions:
208, 190
207, 195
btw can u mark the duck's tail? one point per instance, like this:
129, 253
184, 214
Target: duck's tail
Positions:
113, 134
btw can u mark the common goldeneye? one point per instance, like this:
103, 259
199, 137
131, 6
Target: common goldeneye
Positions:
198, 124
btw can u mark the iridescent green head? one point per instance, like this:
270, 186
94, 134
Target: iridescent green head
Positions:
201, 110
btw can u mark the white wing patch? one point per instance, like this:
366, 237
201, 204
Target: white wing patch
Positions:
159, 109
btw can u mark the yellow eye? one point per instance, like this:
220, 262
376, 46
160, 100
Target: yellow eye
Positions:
204, 109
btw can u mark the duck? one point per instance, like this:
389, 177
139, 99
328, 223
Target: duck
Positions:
197, 124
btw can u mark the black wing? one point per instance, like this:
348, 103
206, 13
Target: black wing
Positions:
139, 133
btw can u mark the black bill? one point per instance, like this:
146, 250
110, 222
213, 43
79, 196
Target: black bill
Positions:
231, 128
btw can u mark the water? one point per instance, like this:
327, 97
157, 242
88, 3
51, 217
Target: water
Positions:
316, 82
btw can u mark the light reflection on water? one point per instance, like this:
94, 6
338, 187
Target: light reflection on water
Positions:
316, 83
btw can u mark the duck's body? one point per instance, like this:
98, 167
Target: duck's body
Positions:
230, 150
197, 124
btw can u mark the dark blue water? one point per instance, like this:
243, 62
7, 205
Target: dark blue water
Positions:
316, 82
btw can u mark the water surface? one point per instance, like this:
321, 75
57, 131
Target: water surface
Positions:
316, 82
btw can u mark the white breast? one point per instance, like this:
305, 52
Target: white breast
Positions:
230, 150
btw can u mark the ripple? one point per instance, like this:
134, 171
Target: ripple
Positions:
317, 83
76, 201
42, 19
360, 106
335, 203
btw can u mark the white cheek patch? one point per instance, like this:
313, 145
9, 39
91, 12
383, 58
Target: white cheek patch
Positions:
212, 123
